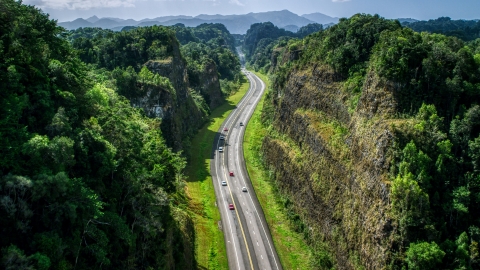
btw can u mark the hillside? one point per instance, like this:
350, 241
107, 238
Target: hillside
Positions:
372, 144
320, 18
462, 29
93, 124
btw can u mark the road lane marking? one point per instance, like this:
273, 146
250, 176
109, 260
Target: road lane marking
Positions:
242, 132
242, 105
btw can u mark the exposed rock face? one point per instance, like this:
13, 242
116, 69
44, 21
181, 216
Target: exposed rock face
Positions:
210, 86
180, 115
334, 165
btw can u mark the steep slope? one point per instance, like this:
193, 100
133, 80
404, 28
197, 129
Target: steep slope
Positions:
320, 18
364, 142
86, 180
182, 109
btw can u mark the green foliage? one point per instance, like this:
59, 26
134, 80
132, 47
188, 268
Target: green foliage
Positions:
435, 83
462, 29
434, 69
348, 44
108, 49
260, 31
309, 29
86, 180
424, 255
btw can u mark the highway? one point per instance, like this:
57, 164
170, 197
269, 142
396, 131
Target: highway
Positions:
247, 237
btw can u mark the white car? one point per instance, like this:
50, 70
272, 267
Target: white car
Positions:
224, 183
244, 189
220, 149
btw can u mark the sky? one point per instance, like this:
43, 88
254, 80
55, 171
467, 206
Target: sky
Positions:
68, 10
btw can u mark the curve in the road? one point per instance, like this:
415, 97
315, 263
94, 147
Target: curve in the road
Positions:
247, 239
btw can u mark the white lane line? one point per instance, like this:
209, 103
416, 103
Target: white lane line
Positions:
249, 95
242, 178
261, 256
226, 211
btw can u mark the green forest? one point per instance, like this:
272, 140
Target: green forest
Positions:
95, 128
462, 29
435, 172
88, 181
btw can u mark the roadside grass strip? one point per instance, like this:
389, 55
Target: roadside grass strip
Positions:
210, 250
291, 247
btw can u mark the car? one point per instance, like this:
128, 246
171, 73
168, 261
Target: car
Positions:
231, 174
244, 189
220, 149
241, 123
225, 129
231, 207
224, 183
222, 138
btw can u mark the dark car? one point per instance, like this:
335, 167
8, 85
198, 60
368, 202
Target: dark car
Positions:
231, 207
231, 174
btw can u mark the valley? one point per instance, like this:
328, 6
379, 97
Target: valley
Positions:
266, 140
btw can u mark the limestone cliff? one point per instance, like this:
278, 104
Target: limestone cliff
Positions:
333, 165
181, 117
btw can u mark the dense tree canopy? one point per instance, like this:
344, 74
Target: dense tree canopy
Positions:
462, 29
263, 38
86, 181
435, 176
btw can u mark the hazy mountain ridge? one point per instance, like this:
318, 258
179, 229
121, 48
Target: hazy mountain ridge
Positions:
236, 24
320, 18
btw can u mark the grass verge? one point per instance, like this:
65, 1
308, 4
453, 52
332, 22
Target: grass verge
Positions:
210, 251
291, 247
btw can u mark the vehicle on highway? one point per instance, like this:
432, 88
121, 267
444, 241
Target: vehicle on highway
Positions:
220, 149
231, 207
231, 174
225, 129
224, 183
222, 137
244, 189
241, 123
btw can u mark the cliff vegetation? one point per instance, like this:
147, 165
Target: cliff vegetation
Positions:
88, 121
373, 141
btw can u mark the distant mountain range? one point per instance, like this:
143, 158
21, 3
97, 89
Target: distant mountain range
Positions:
236, 24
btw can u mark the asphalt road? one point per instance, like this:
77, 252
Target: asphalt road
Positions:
247, 237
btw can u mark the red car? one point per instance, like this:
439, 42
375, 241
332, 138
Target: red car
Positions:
231, 173
231, 207
225, 129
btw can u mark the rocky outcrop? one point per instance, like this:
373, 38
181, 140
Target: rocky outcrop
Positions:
334, 165
180, 116
210, 85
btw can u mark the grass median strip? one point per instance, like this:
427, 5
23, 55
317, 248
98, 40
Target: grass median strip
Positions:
210, 248
292, 249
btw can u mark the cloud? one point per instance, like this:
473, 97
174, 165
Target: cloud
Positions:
236, 2
340, 1
81, 4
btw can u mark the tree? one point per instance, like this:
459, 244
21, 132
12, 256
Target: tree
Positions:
424, 255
